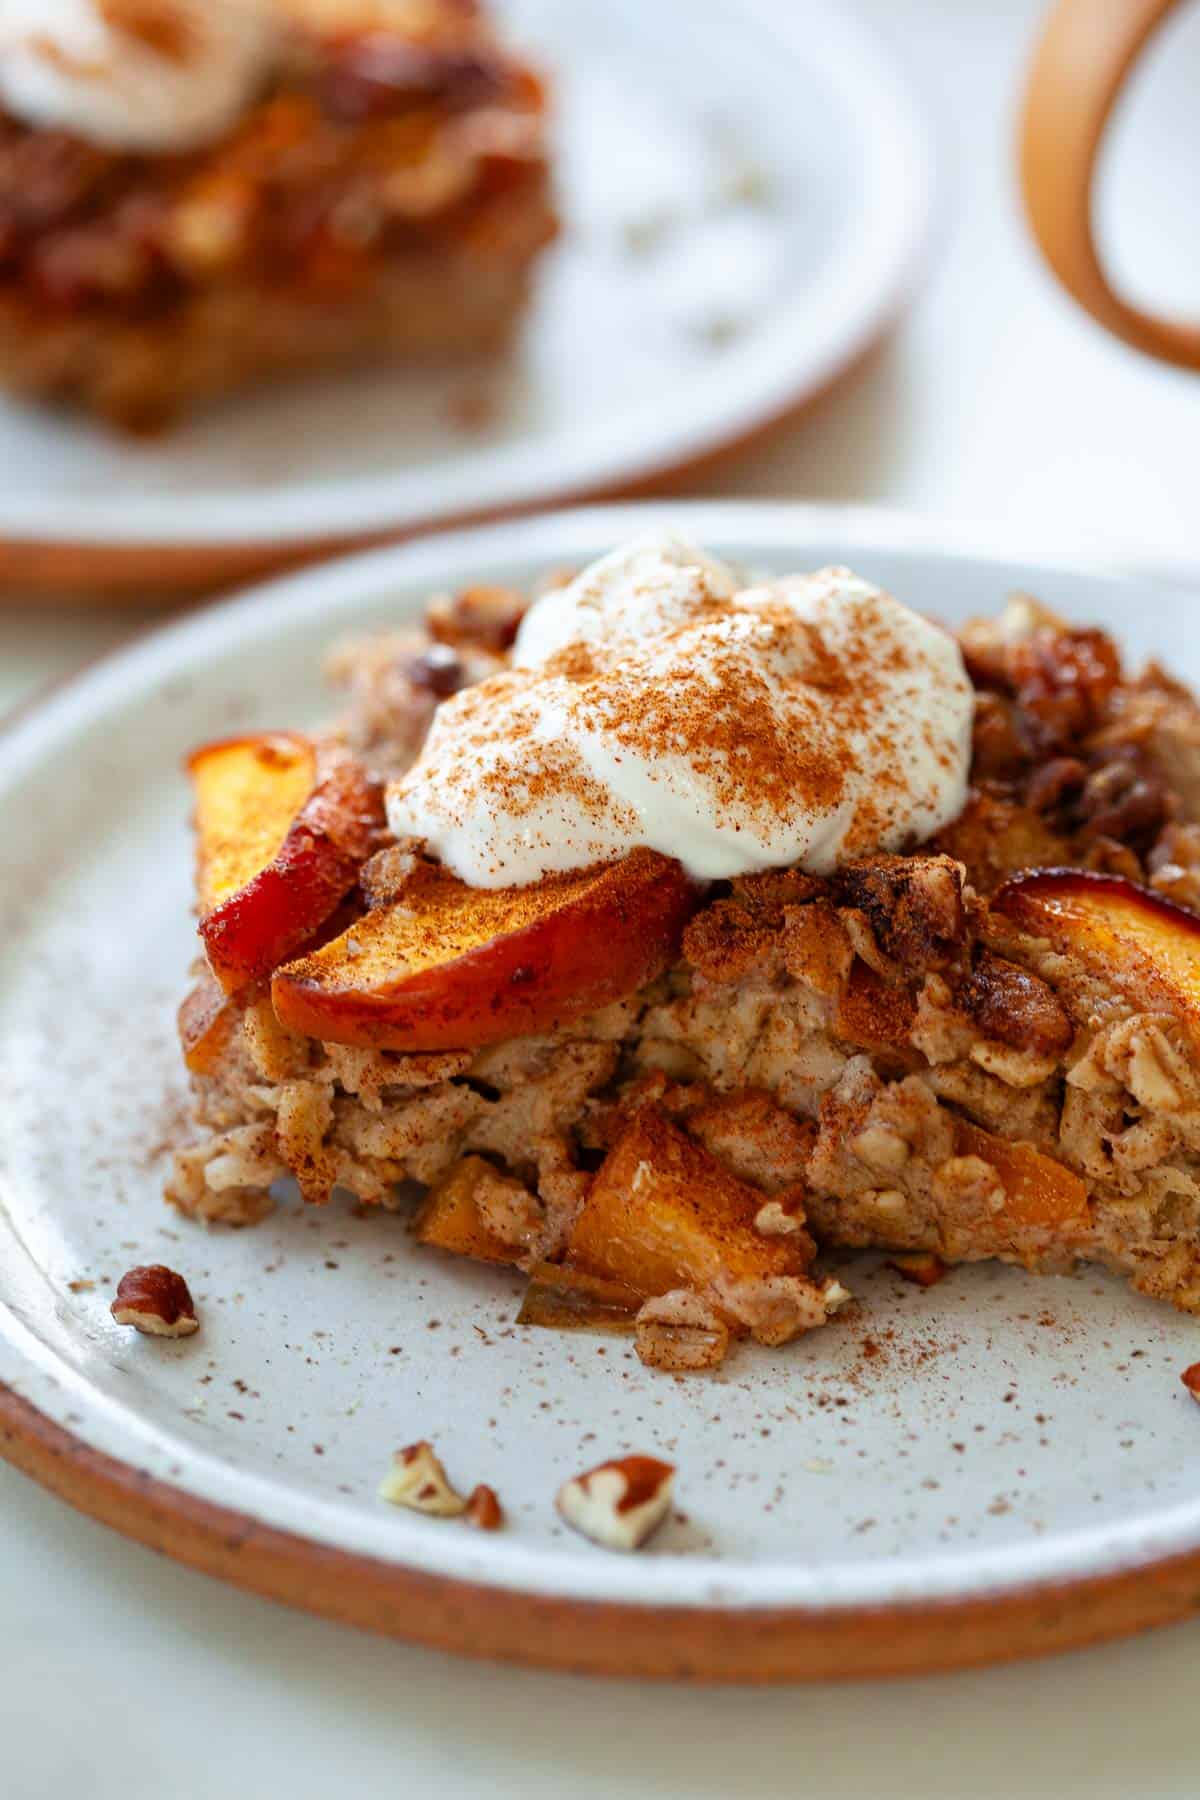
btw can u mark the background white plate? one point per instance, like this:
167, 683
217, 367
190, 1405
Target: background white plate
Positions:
745, 191
1006, 1432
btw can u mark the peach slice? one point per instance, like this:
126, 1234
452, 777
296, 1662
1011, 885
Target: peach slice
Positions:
662, 1213
1135, 940
449, 1218
282, 830
207, 1020
248, 791
1038, 1191
449, 967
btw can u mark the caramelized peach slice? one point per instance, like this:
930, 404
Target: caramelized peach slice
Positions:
662, 1213
1038, 1191
446, 966
282, 831
248, 791
449, 1217
207, 1020
566, 1299
1145, 946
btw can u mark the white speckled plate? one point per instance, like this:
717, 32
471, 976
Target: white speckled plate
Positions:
997, 1465
745, 191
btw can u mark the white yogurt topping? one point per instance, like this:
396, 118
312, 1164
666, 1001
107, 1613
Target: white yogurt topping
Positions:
656, 702
134, 74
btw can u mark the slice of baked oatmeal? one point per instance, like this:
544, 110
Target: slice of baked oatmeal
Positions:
983, 1045
196, 195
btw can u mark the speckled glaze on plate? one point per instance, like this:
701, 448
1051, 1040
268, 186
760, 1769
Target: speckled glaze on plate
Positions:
992, 1467
745, 190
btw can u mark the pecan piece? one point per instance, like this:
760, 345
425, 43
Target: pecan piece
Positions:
1055, 784
486, 618
155, 1300
484, 1510
1015, 1007
913, 904
384, 876
418, 1480
1125, 796
619, 1504
1062, 682
439, 671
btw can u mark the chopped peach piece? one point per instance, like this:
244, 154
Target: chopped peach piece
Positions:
282, 830
1038, 1191
922, 1267
450, 967
207, 1020
449, 1216
1142, 944
662, 1213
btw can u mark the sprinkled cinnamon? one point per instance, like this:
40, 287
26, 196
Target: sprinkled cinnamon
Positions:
813, 717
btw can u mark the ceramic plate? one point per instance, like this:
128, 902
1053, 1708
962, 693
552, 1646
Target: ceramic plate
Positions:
744, 188
997, 1465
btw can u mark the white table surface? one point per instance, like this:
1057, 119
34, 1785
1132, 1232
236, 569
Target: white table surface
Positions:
122, 1674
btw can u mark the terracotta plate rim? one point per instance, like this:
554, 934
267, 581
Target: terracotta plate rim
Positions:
758, 1645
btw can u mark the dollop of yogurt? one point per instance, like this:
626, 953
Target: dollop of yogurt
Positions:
154, 75
659, 701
